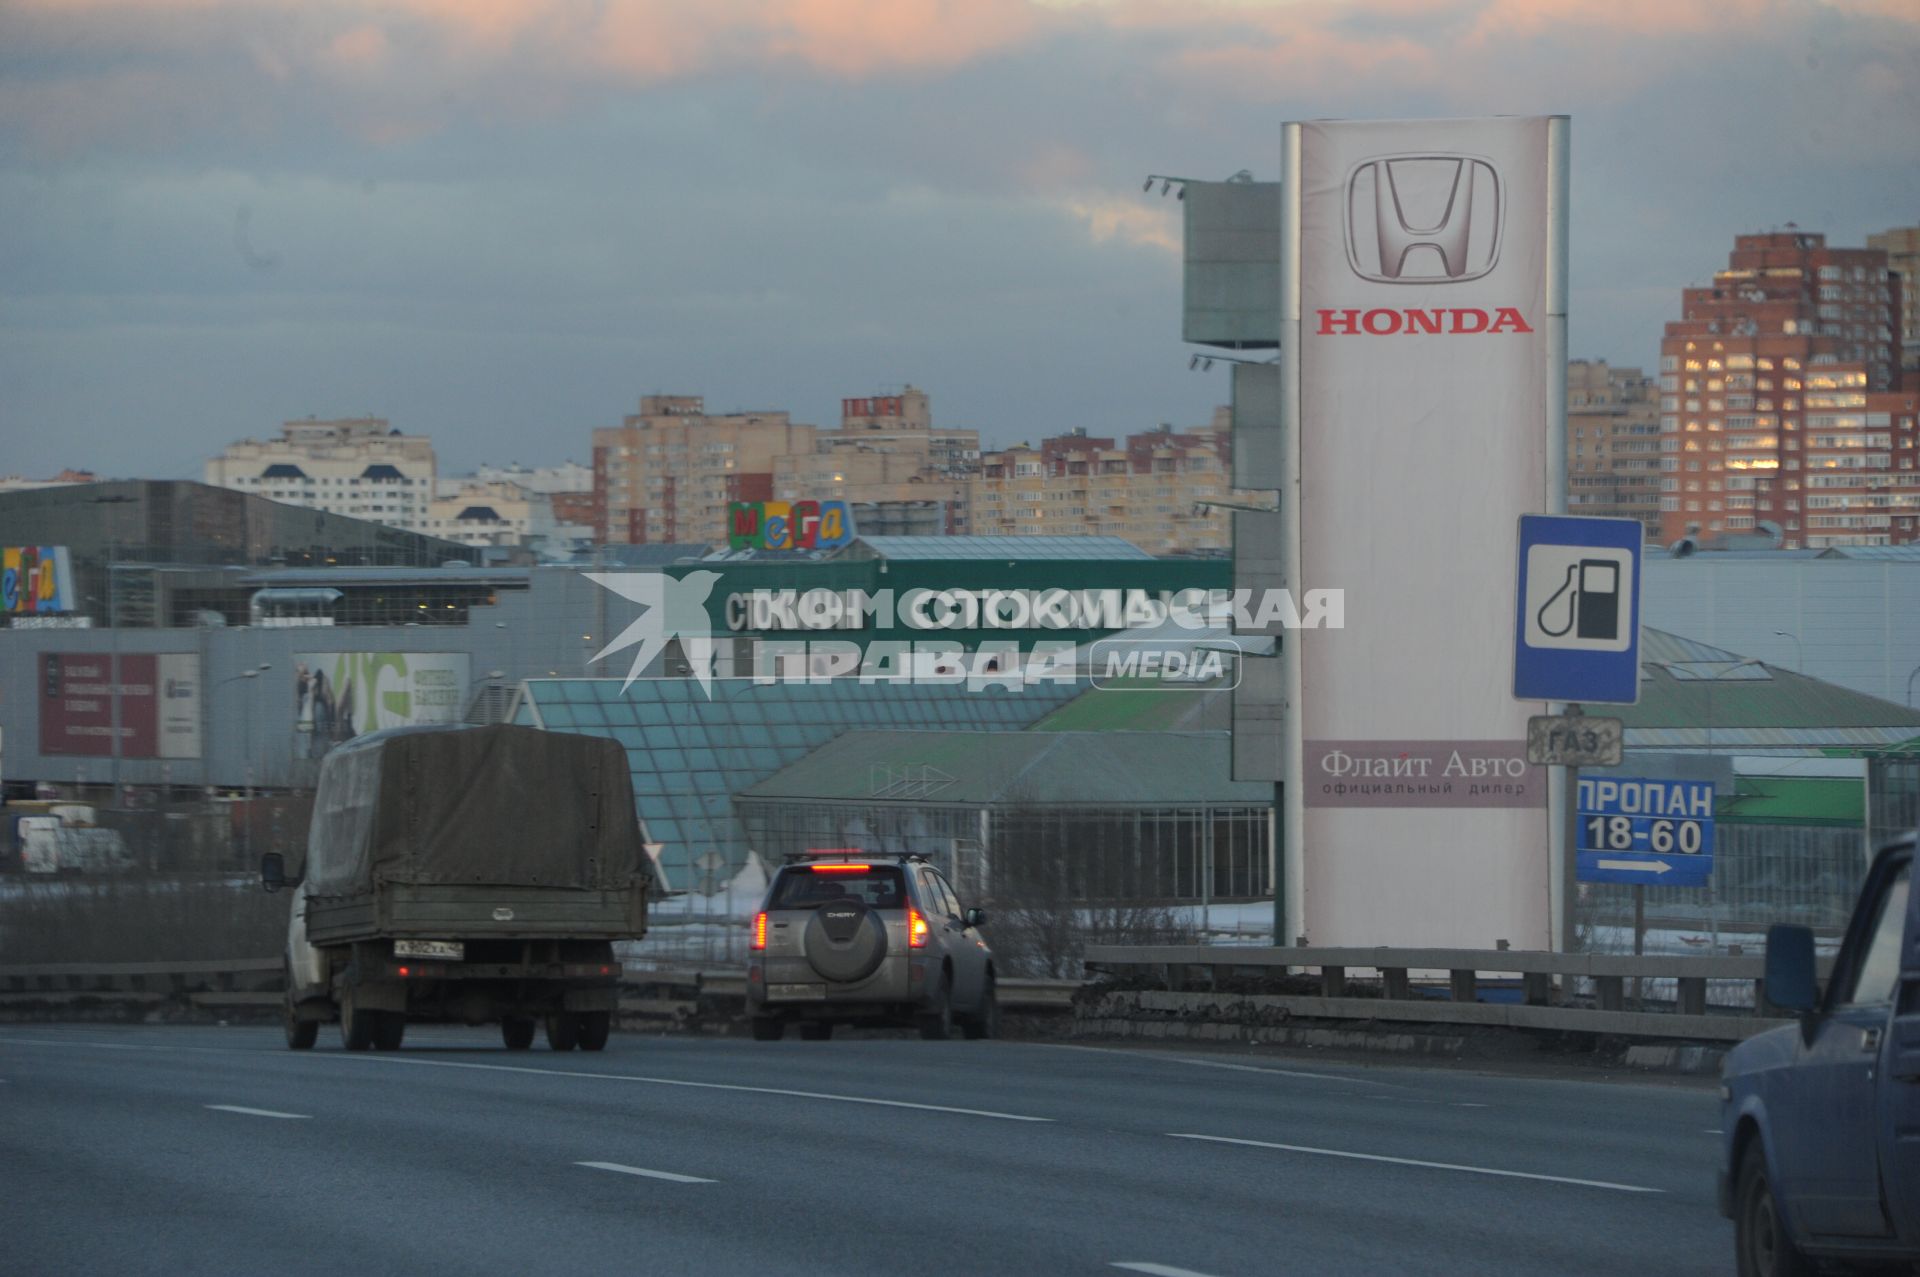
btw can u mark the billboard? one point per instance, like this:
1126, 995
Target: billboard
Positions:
159, 704
339, 695
1420, 331
35, 579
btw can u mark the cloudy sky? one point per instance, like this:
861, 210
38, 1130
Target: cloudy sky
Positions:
501, 221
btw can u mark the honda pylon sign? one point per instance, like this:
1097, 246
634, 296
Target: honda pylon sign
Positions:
1421, 400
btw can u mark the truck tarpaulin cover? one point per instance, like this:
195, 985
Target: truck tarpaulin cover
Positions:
498, 806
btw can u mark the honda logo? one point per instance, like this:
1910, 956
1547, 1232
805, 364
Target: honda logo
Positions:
1432, 218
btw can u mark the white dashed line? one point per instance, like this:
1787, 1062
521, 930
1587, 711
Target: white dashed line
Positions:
645, 1173
1413, 1161
1155, 1270
699, 1086
1218, 1064
236, 1108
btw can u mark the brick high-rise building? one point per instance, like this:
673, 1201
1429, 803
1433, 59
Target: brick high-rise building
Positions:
1613, 443
889, 463
1902, 247
667, 473
1148, 489
1777, 372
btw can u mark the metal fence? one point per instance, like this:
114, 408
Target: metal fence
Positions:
1762, 874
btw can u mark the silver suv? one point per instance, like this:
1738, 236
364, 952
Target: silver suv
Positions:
869, 940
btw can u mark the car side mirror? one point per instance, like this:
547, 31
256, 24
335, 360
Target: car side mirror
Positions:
1789, 973
976, 917
273, 871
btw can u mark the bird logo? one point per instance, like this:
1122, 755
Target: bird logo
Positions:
673, 608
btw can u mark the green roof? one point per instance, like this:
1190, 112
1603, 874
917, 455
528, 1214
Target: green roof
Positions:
1104, 769
1794, 800
1150, 707
1781, 699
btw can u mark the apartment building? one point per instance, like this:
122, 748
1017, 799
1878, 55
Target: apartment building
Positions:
888, 462
482, 512
667, 473
358, 466
1148, 489
67, 477
1780, 403
1613, 443
1902, 247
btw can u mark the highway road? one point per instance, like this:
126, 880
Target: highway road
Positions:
215, 1150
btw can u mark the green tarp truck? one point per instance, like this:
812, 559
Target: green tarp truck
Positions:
466, 875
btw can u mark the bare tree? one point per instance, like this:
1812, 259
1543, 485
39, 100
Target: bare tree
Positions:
1052, 882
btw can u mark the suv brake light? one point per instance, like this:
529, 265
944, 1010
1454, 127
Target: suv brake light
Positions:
916, 929
760, 930
841, 869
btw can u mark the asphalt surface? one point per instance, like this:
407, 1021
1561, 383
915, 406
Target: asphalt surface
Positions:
215, 1150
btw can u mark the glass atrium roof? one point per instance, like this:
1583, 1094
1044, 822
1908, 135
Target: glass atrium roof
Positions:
690, 754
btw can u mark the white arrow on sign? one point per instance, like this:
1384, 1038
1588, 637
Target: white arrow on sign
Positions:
1635, 866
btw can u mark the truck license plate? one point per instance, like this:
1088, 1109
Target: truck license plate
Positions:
451, 950
797, 991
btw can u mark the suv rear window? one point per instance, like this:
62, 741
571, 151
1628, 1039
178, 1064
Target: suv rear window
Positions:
807, 887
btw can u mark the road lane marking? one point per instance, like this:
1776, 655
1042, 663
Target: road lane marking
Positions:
700, 1086
643, 1171
1712, 1130
1218, 1064
237, 1108
1414, 1161
1155, 1270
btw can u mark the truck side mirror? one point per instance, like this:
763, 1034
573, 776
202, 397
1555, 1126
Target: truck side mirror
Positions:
273, 871
1790, 978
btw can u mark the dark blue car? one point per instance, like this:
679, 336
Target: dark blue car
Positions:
1822, 1118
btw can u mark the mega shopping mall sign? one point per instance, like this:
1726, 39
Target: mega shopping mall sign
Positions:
35, 580
788, 525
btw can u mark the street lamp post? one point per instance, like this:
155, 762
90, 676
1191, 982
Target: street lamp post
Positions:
1799, 653
113, 645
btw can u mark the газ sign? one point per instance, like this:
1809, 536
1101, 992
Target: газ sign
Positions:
1411, 816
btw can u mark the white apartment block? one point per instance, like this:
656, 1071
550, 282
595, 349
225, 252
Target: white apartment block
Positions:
480, 512
359, 467
569, 476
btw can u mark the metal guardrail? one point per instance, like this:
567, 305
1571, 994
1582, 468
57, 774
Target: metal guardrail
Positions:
1188, 969
672, 993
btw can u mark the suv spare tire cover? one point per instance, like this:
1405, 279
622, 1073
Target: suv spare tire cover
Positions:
845, 940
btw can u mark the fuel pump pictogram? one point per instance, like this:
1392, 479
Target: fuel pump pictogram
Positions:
1587, 602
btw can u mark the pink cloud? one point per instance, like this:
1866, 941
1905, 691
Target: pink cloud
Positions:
392, 69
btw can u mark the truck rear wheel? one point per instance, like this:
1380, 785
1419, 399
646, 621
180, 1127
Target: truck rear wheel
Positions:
301, 1034
356, 1027
594, 1029
563, 1031
768, 1028
389, 1030
517, 1032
